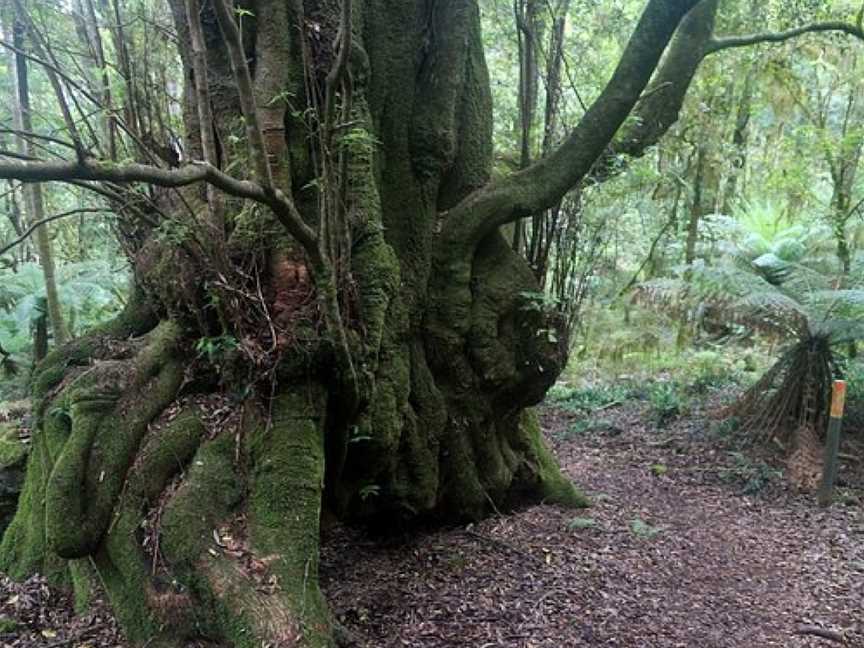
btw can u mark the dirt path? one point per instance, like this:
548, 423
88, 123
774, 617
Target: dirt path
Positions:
672, 554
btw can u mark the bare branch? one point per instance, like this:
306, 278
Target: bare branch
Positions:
26, 233
36, 136
48, 66
727, 42
39, 48
282, 206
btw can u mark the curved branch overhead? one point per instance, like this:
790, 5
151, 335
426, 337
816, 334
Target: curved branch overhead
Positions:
181, 177
543, 183
651, 112
746, 40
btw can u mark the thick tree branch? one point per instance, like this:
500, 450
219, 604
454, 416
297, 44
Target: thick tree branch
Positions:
659, 106
543, 183
653, 112
728, 42
282, 206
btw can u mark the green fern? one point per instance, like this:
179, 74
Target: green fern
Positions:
777, 290
90, 292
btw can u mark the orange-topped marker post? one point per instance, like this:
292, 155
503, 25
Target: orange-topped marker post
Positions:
832, 442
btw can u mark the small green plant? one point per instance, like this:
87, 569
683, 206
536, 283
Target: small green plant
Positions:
175, 232
540, 302
641, 529
589, 399
727, 428
215, 348
753, 476
8, 626
666, 403
581, 523
659, 469
358, 140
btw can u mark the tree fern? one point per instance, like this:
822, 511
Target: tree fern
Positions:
781, 292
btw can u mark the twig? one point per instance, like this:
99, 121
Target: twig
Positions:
816, 631
504, 545
26, 233
607, 406
76, 637
649, 256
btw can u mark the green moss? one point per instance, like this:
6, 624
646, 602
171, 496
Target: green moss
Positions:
165, 451
23, 550
471, 167
377, 269
12, 450
110, 407
122, 565
284, 506
543, 476
92, 486
8, 626
206, 496
415, 483
84, 584
54, 368
124, 574
462, 493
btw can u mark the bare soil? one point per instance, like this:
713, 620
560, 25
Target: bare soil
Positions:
692, 540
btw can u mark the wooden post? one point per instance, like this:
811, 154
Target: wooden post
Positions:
832, 442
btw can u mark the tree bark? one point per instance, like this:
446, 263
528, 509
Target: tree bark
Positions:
203, 531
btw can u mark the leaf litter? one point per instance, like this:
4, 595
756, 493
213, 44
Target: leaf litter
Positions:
714, 550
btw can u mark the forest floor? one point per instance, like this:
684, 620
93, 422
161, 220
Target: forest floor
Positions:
691, 541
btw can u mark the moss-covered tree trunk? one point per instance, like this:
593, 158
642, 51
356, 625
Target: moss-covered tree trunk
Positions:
184, 453
325, 316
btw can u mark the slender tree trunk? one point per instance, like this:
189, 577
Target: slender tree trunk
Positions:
33, 191
739, 140
528, 34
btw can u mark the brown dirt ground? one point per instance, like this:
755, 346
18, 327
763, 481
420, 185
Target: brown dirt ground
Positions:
723, 568
679, 550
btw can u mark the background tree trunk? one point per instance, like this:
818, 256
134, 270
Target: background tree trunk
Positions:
33, 192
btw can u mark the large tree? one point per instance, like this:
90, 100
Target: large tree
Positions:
324, 318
